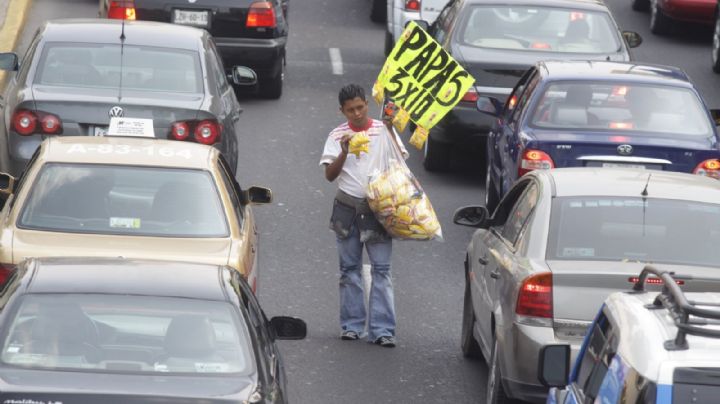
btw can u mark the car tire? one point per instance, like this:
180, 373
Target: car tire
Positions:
716, 45
272, 88
378, 12
495, 393
659, 23
640, 5
436, 156
468, 343
389, 43
491, 194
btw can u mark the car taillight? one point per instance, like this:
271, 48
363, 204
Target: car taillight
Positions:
412, 5
470, 96
25, 122
6, 270
261, 15
653, 281
535, 296
709, 168
122, 10
207, 132
534, 160
180, 130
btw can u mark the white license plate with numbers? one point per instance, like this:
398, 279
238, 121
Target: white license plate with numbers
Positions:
189, 17
624, 165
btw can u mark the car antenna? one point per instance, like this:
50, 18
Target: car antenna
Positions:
644, 194
122, 48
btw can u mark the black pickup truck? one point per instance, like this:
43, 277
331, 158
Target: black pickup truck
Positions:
247, 32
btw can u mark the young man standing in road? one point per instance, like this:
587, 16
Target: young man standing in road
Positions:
355, 225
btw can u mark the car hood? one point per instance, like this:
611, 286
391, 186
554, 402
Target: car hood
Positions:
34, 243
46, 386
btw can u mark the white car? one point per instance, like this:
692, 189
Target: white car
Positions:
399, 12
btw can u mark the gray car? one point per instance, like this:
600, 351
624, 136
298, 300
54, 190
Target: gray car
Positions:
559, 243
78, 73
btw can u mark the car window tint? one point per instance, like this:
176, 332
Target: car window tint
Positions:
114, 199
136, 334
632, 229
539, 29
512, 99
520, 214
598, 352
99, 66
445, 21
523, 98
217, 69
622, 108
233, 188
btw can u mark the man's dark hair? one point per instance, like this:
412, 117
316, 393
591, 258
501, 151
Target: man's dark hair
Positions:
349, 92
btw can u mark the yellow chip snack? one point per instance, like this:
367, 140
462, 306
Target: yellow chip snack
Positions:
378, 93
419, 137
360, 143
400, 120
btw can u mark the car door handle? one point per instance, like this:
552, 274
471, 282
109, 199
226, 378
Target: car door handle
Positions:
495, 274
483, 260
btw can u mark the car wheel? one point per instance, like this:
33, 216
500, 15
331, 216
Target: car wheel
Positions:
659, 23
491, 194
272, 88
469, 345
437, 154
378, 12
716, 45
389, 43
640, 5
495, 393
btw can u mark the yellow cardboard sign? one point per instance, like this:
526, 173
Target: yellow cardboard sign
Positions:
422, 78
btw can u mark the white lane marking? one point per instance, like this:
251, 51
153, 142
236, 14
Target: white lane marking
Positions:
336, 61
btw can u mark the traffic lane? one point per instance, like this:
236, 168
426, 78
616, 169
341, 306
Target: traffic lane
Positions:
688, 48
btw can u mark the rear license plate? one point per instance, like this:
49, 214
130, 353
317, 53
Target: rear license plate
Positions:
188, 17
99, 130
623, 165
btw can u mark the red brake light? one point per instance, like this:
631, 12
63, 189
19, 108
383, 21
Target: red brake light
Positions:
653, 281
207, 132
470, 96
122, 10
540, 45
261, 15
24, 122
576, 15
534, 160
620, 125
6, 270
180, 130
535, 296
412, 5
709, 168
50, 124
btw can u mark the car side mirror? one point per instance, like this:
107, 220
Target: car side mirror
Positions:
472, 216
632, 38
288, 327
421, 23
489, 105
257, 195
554, 366
715, 113
7, 184
8, 61
244, 76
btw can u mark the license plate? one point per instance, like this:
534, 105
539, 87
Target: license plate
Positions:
623, 165
187, 17
99, 130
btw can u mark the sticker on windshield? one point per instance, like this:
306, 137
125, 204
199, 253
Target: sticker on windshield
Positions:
578, 252
202, 367
125, 222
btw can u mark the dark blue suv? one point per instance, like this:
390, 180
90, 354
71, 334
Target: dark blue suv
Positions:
599, 114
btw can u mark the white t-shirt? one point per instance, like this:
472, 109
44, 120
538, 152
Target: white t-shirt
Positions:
353, 179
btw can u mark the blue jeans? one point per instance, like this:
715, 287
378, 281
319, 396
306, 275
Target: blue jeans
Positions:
381, 321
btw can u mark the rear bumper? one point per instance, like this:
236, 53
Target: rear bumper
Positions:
262, 55
698, 11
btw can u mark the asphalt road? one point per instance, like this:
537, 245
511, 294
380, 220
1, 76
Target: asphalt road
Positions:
280, 148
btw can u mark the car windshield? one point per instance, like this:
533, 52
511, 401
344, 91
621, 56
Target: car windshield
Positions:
130, 334
540, 29
124, 200
621, 108
634, 229
143, 68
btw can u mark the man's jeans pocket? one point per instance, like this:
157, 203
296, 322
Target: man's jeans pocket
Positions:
342, 219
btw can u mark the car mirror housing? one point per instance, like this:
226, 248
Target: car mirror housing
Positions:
8, 61
288, 327
489, 105
7, 184
473, 216
244, 76
421, 23
258, 195
554, 366
632, 38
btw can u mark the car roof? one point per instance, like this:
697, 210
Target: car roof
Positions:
643, 333
589, 70
125, 277
577, 4
586, 181
99, 30
128, 151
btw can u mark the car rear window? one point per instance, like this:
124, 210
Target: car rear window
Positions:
129, 334
539, 29
124, 200
634, 229
622, 108
105, 66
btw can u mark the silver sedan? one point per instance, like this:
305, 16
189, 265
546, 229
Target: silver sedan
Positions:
559, 243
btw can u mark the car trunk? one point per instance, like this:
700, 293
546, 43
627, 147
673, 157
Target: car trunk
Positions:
601, 149
86, 112
580, 287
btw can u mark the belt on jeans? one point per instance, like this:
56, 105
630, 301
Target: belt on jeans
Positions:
360, 205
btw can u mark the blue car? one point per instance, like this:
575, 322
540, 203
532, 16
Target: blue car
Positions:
599, 114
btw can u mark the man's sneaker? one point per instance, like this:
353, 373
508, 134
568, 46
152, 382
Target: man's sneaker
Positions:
349, 335
386, 341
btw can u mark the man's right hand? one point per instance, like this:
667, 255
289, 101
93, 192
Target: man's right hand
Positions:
345, 143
